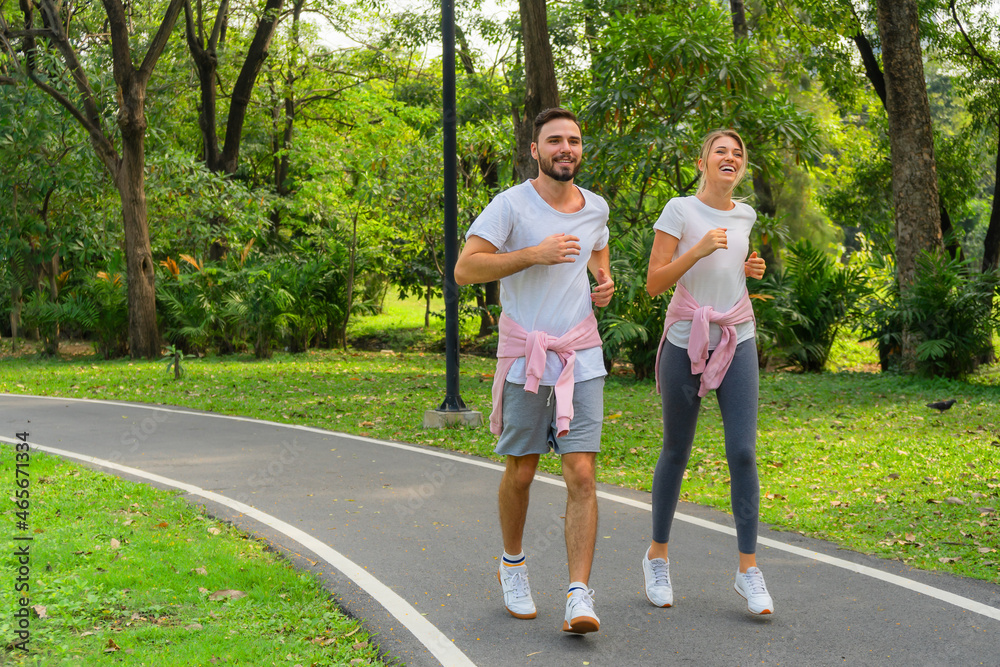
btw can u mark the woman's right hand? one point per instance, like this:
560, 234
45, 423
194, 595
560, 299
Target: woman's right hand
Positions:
714, 240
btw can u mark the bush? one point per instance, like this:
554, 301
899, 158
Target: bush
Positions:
803, 306
950, 310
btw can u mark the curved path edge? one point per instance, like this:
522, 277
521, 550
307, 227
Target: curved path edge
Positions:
426, 633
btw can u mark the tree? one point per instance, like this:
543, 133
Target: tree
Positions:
205, 46
540, 88
911, 144
127, 168
973, 47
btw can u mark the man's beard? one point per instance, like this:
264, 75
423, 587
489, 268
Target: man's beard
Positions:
548, 168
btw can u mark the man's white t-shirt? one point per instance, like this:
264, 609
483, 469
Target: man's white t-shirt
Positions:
550, 298
718, 280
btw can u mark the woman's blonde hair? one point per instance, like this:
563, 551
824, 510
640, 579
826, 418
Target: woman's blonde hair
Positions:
706, 148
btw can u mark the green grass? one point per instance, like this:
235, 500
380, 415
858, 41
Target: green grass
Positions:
125, 573
852, 457
400, 326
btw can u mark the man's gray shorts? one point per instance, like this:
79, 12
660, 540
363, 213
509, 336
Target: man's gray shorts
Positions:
529, 420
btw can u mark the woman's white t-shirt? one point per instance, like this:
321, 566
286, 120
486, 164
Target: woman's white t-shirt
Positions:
718, 280
550, 298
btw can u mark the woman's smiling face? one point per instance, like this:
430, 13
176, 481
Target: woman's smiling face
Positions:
724, 162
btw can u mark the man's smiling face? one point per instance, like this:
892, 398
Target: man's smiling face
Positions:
559, 149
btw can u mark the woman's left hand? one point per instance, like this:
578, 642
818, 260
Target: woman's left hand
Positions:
754, 266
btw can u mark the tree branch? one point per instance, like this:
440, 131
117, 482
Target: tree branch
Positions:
159, 42
90, 116
220, 18
976, 53
872, 69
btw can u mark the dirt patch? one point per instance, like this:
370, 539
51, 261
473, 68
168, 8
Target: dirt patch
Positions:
68, 349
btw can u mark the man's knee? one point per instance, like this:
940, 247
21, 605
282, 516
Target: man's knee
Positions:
521, 470
579, 472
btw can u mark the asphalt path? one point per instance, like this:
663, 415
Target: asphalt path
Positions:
406, 539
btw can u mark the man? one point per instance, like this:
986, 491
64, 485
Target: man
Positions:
539, 239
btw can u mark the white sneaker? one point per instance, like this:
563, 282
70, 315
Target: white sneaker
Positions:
580, 616
656, 572
751, 586
516, 591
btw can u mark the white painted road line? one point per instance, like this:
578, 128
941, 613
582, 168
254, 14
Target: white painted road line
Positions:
426, 633
903, 582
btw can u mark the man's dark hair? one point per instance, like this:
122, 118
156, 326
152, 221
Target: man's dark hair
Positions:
552, 114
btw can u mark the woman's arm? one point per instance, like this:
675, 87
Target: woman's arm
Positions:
664, 271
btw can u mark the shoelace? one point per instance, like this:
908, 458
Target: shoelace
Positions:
519, 584
661, 572
755, 582
583, 597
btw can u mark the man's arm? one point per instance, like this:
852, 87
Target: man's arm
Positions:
600, 266
481, 263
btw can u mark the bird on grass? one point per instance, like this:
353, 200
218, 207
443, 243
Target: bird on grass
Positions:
941, 406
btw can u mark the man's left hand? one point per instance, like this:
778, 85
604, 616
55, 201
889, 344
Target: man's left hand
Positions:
601, 296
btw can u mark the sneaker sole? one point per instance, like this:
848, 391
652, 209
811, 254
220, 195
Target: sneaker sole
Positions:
763, 612
582, 625
526, 617
661, 606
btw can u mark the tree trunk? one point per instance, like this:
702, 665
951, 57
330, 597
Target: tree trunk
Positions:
284, 123
911, 144
541, 89
763, 192
875, 76
991, 246
144, 339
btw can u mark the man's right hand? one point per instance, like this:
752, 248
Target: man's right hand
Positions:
557, 249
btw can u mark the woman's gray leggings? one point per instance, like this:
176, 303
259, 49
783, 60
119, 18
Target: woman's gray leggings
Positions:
737, 397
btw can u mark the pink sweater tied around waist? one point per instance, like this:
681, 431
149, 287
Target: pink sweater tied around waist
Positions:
684, 307
516, 342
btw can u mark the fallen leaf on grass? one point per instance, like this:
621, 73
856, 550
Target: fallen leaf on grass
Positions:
950, 559
214, 530
40, 611
986, 550
200, 570
194, 626
952, 500
115, 543
227, 593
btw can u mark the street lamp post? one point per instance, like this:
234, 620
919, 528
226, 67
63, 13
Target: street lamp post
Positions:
452, 410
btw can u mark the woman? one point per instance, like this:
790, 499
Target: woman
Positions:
708, 343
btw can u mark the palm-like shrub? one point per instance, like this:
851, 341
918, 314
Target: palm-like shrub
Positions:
317, 283
812, 298
260, 306
109, 293
950, 310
